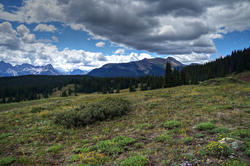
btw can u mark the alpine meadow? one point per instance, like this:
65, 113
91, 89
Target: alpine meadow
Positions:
124, 83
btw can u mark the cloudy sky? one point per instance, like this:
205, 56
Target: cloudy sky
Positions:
85, 34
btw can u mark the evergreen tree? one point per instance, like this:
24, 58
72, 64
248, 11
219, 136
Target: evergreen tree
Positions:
64, 94
69, 92
168, 75
131, 87
118, 89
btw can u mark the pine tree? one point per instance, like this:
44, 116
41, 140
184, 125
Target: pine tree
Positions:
131, 87
64, 94
168, 75
118, 89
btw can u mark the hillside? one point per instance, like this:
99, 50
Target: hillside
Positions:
155, 66
173, 126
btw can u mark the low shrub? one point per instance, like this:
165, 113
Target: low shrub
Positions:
205, 126
172, 124
55, 148
186, 140
199, 135
139, 145
36, 109
243, 133
234, 163
90, 113
4, 135
218, 149
220, 130
7, 160
92, 158
135, 160
145, 126
114, 146
163, 138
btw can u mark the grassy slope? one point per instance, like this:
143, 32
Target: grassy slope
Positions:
28, 137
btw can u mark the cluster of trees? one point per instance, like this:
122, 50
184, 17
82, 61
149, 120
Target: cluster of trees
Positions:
32, 87
237, 62
114, 85
15, 89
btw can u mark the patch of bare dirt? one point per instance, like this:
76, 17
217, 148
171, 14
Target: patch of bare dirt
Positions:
245, 78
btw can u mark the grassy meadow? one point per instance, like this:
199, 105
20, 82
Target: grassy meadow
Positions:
205, 124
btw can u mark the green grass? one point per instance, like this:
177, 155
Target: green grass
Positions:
162, 127
4, 135
115, 146
7, 160
218, 149
55, 149
172, 124
135, 160
164, 138
205, 126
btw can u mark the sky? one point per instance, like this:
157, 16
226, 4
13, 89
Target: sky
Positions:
86, 34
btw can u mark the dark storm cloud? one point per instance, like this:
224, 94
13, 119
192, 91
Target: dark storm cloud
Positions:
160, 26
137, 23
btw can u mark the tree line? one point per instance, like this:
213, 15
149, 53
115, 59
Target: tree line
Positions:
15, 89
237, 62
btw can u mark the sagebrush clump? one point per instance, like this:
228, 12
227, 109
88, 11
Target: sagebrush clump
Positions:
90, 113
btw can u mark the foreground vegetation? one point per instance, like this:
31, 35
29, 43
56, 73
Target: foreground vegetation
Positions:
205, 124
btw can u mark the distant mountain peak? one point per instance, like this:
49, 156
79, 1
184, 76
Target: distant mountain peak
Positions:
153, 66
7, 69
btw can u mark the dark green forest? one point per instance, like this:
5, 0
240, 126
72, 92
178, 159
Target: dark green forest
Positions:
21, 88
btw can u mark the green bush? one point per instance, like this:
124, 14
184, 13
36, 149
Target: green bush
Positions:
163, 138
218, 149
109, 147
123, 140
172, 124
220, 130
7, 160
36, 109
234, 163
139, 145
243, 133
55, 148
4, 135
90, 113
205, 126
114, 146
199, 135
135, 160
187, 140
144, 126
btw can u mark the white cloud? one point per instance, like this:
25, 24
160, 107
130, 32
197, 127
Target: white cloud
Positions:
8, 37
24, 32
182, 28
45, 28
163, 27
54, 38
192, 58
100, 44
38, 53
119, 51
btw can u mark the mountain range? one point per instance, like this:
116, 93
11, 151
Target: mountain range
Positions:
154, 66
7, 69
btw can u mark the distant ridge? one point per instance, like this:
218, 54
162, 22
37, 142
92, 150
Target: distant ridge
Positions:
155, 66
7, 69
